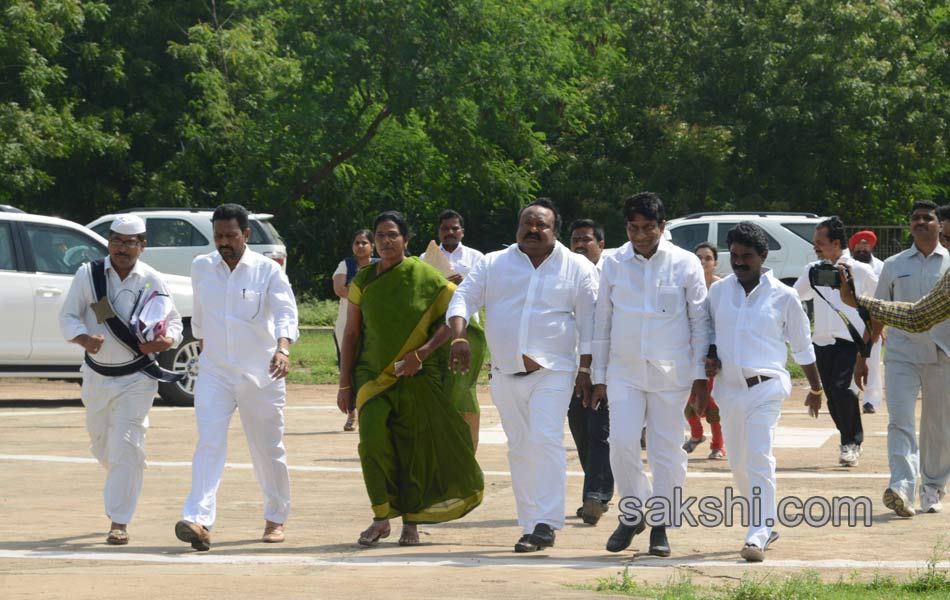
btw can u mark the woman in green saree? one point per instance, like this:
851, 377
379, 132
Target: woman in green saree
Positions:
415, 448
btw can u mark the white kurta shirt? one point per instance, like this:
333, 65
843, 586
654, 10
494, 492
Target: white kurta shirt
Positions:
77, 318
651, 328
750, 332
241, 314
531, 311
828, 325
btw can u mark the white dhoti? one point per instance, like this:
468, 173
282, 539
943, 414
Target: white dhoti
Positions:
749, 419
262, 417
662, 413
533, 409
117, 419
874, 390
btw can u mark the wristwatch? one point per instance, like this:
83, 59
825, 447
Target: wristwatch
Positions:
284, 351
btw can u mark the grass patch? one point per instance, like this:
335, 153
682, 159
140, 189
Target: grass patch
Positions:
930, 584
313, 360
313, 312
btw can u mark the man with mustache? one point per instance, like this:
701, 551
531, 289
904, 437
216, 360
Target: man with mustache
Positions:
120, 376
461, 257
539, 299
861, 245
651, 332
916, 363
590, 425
245, 318
752, 316
835, 348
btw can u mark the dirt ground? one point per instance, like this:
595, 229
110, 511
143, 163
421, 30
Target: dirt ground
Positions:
52, 540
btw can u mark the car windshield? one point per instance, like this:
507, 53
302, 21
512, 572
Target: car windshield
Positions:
262, 232
806, 231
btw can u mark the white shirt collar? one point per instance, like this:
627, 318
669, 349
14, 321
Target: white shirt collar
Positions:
628, 252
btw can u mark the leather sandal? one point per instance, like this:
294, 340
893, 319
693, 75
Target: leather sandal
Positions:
373, 534
117, 537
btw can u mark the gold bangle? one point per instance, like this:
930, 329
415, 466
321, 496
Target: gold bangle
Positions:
416, 354
345, 388
818, 391
459, 341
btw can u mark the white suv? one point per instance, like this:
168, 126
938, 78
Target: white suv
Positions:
38, 258
790, 237
177, 235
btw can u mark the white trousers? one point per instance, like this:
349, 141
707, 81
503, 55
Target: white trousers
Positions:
262, 417
662, 414
749, 418
874, 390
533, 409
117, 419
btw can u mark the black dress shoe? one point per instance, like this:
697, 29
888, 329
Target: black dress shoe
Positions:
659, 545
622, 536
543, 536
525, 544
869, 408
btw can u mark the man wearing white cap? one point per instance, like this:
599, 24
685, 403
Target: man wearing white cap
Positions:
120, 375
245, 317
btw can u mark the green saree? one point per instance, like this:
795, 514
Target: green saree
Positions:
415, 448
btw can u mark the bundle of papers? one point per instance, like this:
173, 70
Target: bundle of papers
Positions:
149, 318
437, 259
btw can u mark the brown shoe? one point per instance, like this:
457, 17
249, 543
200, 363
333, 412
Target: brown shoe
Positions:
197, 535
117, 537
273, 532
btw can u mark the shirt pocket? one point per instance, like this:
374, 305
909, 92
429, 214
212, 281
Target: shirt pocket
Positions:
670, 299
557, 293
248, 304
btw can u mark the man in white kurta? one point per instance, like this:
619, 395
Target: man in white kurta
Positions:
651, 333
753, 315
861, 245
246, 318
462, 258
537, 295
117, 406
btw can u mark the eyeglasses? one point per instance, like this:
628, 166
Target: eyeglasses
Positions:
131, 244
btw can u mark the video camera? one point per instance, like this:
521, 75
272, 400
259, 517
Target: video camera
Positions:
825, 274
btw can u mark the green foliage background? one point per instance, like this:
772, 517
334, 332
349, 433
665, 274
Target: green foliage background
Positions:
325, 112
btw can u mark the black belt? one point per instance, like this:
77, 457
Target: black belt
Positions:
754, 381
525, 373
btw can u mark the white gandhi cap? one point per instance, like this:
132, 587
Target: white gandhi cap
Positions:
128, 225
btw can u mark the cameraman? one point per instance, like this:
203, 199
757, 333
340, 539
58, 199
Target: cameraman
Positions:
835, 349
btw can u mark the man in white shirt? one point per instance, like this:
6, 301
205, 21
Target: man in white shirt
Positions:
590, 426
861, 244
752, 316
461, 257
120, 376
539, 299
835, 349
245, 316
651, 333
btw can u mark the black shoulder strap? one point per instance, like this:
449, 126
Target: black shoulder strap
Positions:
863, 347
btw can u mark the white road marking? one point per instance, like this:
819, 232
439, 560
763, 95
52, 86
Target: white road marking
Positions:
535, 561
37, 413
322, 469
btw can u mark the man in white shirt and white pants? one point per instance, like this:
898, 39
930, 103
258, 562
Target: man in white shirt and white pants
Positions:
752, 316
461, 257
245, 315
119, 375
651, 334
538, 295
836, 351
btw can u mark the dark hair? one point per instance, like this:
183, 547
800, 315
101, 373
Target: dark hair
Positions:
708, 246
588, 223
748, 233
229, 211
544, 203
394, 217
359, 232
943, 212
835, 228
451, 214
646, 204
923, 204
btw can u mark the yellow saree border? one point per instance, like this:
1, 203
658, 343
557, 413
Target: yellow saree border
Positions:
418, 336
442, 512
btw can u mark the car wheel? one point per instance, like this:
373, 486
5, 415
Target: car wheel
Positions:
184, 358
